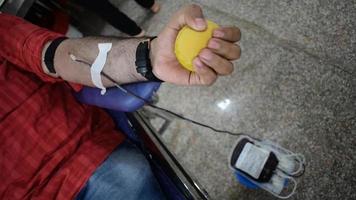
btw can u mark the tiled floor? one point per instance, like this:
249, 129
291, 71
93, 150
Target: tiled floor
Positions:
295, 84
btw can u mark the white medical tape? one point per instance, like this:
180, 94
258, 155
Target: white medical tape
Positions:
98, 66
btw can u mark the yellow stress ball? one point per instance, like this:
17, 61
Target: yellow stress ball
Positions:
190, 42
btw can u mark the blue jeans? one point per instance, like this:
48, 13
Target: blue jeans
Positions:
125, 174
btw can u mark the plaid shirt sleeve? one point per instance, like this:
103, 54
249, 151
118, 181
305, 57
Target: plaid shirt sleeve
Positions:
23, 48
50, 144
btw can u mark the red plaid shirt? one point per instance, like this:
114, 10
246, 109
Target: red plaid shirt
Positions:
49, 143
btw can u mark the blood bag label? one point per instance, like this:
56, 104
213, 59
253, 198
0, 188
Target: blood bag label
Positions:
252, 160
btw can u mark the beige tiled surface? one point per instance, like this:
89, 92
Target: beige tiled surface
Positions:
294, 84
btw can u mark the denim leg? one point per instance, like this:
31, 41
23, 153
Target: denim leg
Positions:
126, 174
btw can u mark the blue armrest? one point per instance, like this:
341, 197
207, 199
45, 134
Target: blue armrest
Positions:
116, 99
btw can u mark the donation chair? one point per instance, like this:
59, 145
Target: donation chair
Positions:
130, 119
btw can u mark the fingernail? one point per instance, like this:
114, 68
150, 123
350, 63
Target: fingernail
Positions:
198, 63
213, 44
218, 33
200, 23
206, 55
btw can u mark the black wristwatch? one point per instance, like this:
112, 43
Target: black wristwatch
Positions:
143, 61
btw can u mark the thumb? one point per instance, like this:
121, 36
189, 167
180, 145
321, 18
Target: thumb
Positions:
191, 15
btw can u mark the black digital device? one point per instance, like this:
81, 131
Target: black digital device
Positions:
253, 161
143, 61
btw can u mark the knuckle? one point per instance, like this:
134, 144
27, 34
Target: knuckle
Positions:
219, 61
227, 32
224, 46
237, 33
230, 51
236, 52
233, 33
209, 80
236, 30
231, 69
228, 69
195, 7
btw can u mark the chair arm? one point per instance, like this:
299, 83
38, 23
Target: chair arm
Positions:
116, 99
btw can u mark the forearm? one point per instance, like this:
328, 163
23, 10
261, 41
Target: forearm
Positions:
120, 63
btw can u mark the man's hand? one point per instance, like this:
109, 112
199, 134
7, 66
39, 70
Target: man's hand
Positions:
211, 62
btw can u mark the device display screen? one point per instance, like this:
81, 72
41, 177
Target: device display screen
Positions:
252, 160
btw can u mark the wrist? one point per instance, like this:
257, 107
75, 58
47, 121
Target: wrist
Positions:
153, 56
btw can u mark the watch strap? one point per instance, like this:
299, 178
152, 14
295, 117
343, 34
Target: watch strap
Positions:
143, 61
